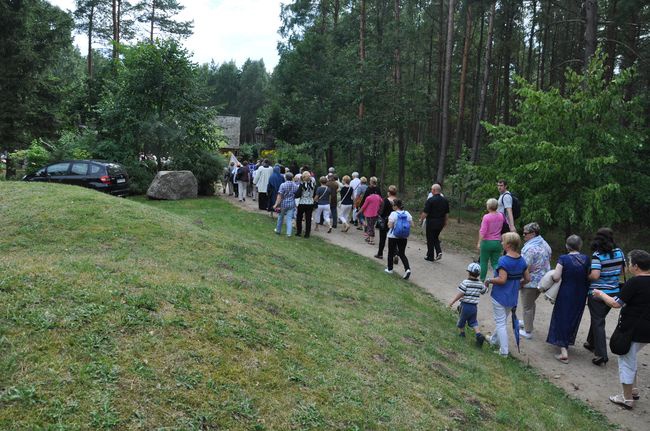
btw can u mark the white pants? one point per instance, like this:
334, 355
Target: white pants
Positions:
325, 210
241, 185
344, 213
500, 319
627, 364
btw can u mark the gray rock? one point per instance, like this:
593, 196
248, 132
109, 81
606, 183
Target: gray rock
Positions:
173, 185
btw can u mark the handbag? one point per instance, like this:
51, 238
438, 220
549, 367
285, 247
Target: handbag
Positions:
381, 223
621, 339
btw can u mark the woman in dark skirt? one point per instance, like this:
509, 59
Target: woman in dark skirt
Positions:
573, 269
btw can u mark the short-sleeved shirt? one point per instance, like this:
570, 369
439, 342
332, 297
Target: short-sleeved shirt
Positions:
636, 296
393, 218
505, 201
472, 290
436, 208
323, 193
507, 294
287, 191
610, 266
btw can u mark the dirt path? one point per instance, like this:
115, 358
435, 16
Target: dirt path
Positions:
580, 378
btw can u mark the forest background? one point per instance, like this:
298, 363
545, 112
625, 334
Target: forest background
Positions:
553, 96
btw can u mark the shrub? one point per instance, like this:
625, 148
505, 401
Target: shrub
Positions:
207, 168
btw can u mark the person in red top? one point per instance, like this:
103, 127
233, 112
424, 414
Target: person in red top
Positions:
370, 210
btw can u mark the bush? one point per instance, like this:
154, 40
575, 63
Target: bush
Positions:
207, 168
141, 173
32, 158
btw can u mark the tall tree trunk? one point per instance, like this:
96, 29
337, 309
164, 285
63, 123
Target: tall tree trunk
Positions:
337, 10
531, 40
89, 59
437, 108
115, 28
463, 76
401, 140
541, 75
362, 61
152, 20
486, 78
610, 43
444, 142
507, 59
323, 16
591, 17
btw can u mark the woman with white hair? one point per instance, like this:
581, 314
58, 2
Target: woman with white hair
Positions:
537, 253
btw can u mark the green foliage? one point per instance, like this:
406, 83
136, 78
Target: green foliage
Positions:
464, 182
141, 173
33, 157
36, 87
286, 153
157, 105
571, 156
207, 168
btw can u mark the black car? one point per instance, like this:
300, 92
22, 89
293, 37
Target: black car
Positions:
94, 174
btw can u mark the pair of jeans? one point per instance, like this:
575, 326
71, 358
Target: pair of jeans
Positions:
397, 246
433, 241
285, 214
501, 321
333, 212
596, 337
306, 210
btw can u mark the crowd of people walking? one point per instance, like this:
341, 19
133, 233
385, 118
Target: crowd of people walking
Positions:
521, 267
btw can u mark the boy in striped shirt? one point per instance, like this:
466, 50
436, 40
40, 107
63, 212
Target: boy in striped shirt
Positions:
469, 293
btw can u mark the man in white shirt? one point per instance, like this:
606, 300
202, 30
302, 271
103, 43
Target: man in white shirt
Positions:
261, 180
354, 185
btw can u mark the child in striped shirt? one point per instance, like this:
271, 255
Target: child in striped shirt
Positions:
469, 293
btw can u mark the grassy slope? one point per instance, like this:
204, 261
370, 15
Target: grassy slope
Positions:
193, 315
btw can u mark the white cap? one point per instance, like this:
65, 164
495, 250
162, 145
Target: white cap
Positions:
474, 268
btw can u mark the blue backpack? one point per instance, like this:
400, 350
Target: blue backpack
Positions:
402, 228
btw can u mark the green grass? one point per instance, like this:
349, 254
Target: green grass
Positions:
128, 314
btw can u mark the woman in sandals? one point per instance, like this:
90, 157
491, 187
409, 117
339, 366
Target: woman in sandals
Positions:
634, 301
345, 211
370, 210
572, 268
322, 199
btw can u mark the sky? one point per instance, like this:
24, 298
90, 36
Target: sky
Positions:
224, 30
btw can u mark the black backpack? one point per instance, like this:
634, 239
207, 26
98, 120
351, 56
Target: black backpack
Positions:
516, 205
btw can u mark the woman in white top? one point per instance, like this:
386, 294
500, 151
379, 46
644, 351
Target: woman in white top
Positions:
397, 238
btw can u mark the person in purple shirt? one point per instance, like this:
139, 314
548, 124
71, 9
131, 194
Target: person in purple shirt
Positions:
511, 270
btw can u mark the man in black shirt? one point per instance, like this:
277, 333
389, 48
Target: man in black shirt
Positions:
436, 212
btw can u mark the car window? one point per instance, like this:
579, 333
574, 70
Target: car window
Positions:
58, 169
79, 168
40, 172
95, 169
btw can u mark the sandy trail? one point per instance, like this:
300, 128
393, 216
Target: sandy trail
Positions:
580, 378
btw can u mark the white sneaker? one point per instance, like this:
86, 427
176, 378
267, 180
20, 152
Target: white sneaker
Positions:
407, 274
527, 335
388, 271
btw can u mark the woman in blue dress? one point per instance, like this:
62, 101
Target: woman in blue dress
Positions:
573, 269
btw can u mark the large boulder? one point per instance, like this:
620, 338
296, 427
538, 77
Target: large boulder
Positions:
173, 185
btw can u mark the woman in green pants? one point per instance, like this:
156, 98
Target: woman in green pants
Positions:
489, 237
